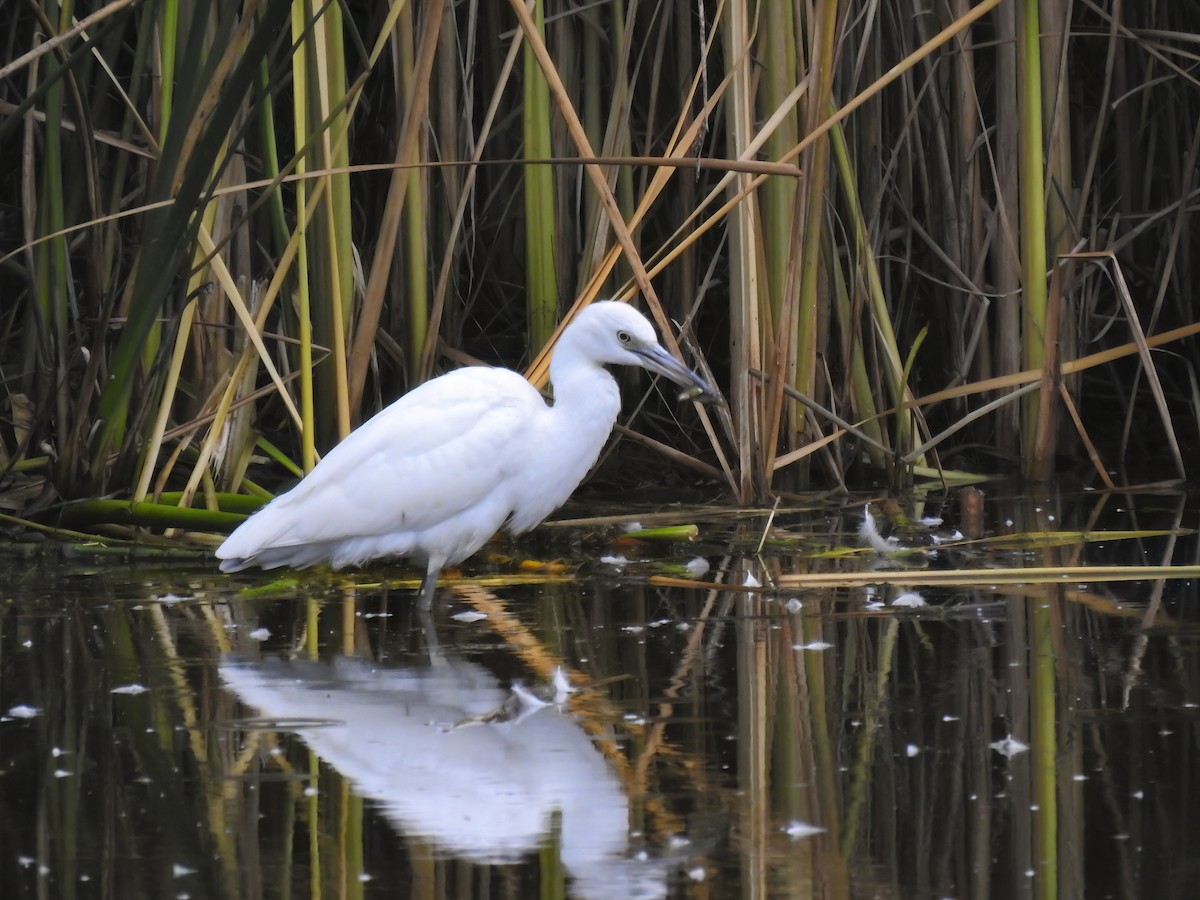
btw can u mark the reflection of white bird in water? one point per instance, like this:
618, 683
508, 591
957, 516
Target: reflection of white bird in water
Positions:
452, 758
441, 470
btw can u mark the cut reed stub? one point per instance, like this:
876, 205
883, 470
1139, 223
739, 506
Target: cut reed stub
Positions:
970, 507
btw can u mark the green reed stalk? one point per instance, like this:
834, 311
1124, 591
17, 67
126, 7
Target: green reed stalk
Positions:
154, 444
745, 300
168, 38
849, 315
416, 207
329, 262
1033, 221
542, 282
1062, 183
149, 515
815, 161
591, 105
622, 135
269, 153
779, 223
308, 434
336, 149
1005, 255
49, 353
1055, 101
778, 194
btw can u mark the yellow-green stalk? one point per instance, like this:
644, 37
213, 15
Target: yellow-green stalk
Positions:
1033, 219
308, 440
542, 280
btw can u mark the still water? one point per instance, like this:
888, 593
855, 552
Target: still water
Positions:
615, 730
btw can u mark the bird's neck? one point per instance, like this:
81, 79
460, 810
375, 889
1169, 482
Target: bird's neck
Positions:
585, 395
568, 438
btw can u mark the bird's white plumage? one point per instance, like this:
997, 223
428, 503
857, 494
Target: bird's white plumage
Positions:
437, 473
383, 481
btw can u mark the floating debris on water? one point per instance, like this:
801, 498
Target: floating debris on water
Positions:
797, 829
955, 535
813, 645
1009, 746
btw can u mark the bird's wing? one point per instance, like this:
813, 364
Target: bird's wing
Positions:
436, 451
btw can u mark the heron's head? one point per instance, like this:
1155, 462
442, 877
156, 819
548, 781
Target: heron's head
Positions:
610, 332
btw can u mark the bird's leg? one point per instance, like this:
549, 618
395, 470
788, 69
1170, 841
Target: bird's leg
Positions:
432, 645
425, 614
428, 589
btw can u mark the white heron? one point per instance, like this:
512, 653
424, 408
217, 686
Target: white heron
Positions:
438, 472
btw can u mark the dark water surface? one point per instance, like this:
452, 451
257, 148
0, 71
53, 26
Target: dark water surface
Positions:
169, 732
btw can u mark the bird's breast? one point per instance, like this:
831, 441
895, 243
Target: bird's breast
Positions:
561, 452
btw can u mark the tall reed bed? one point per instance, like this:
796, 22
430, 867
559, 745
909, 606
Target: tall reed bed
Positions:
929, 242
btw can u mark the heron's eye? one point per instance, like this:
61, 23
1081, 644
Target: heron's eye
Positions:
624, 337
